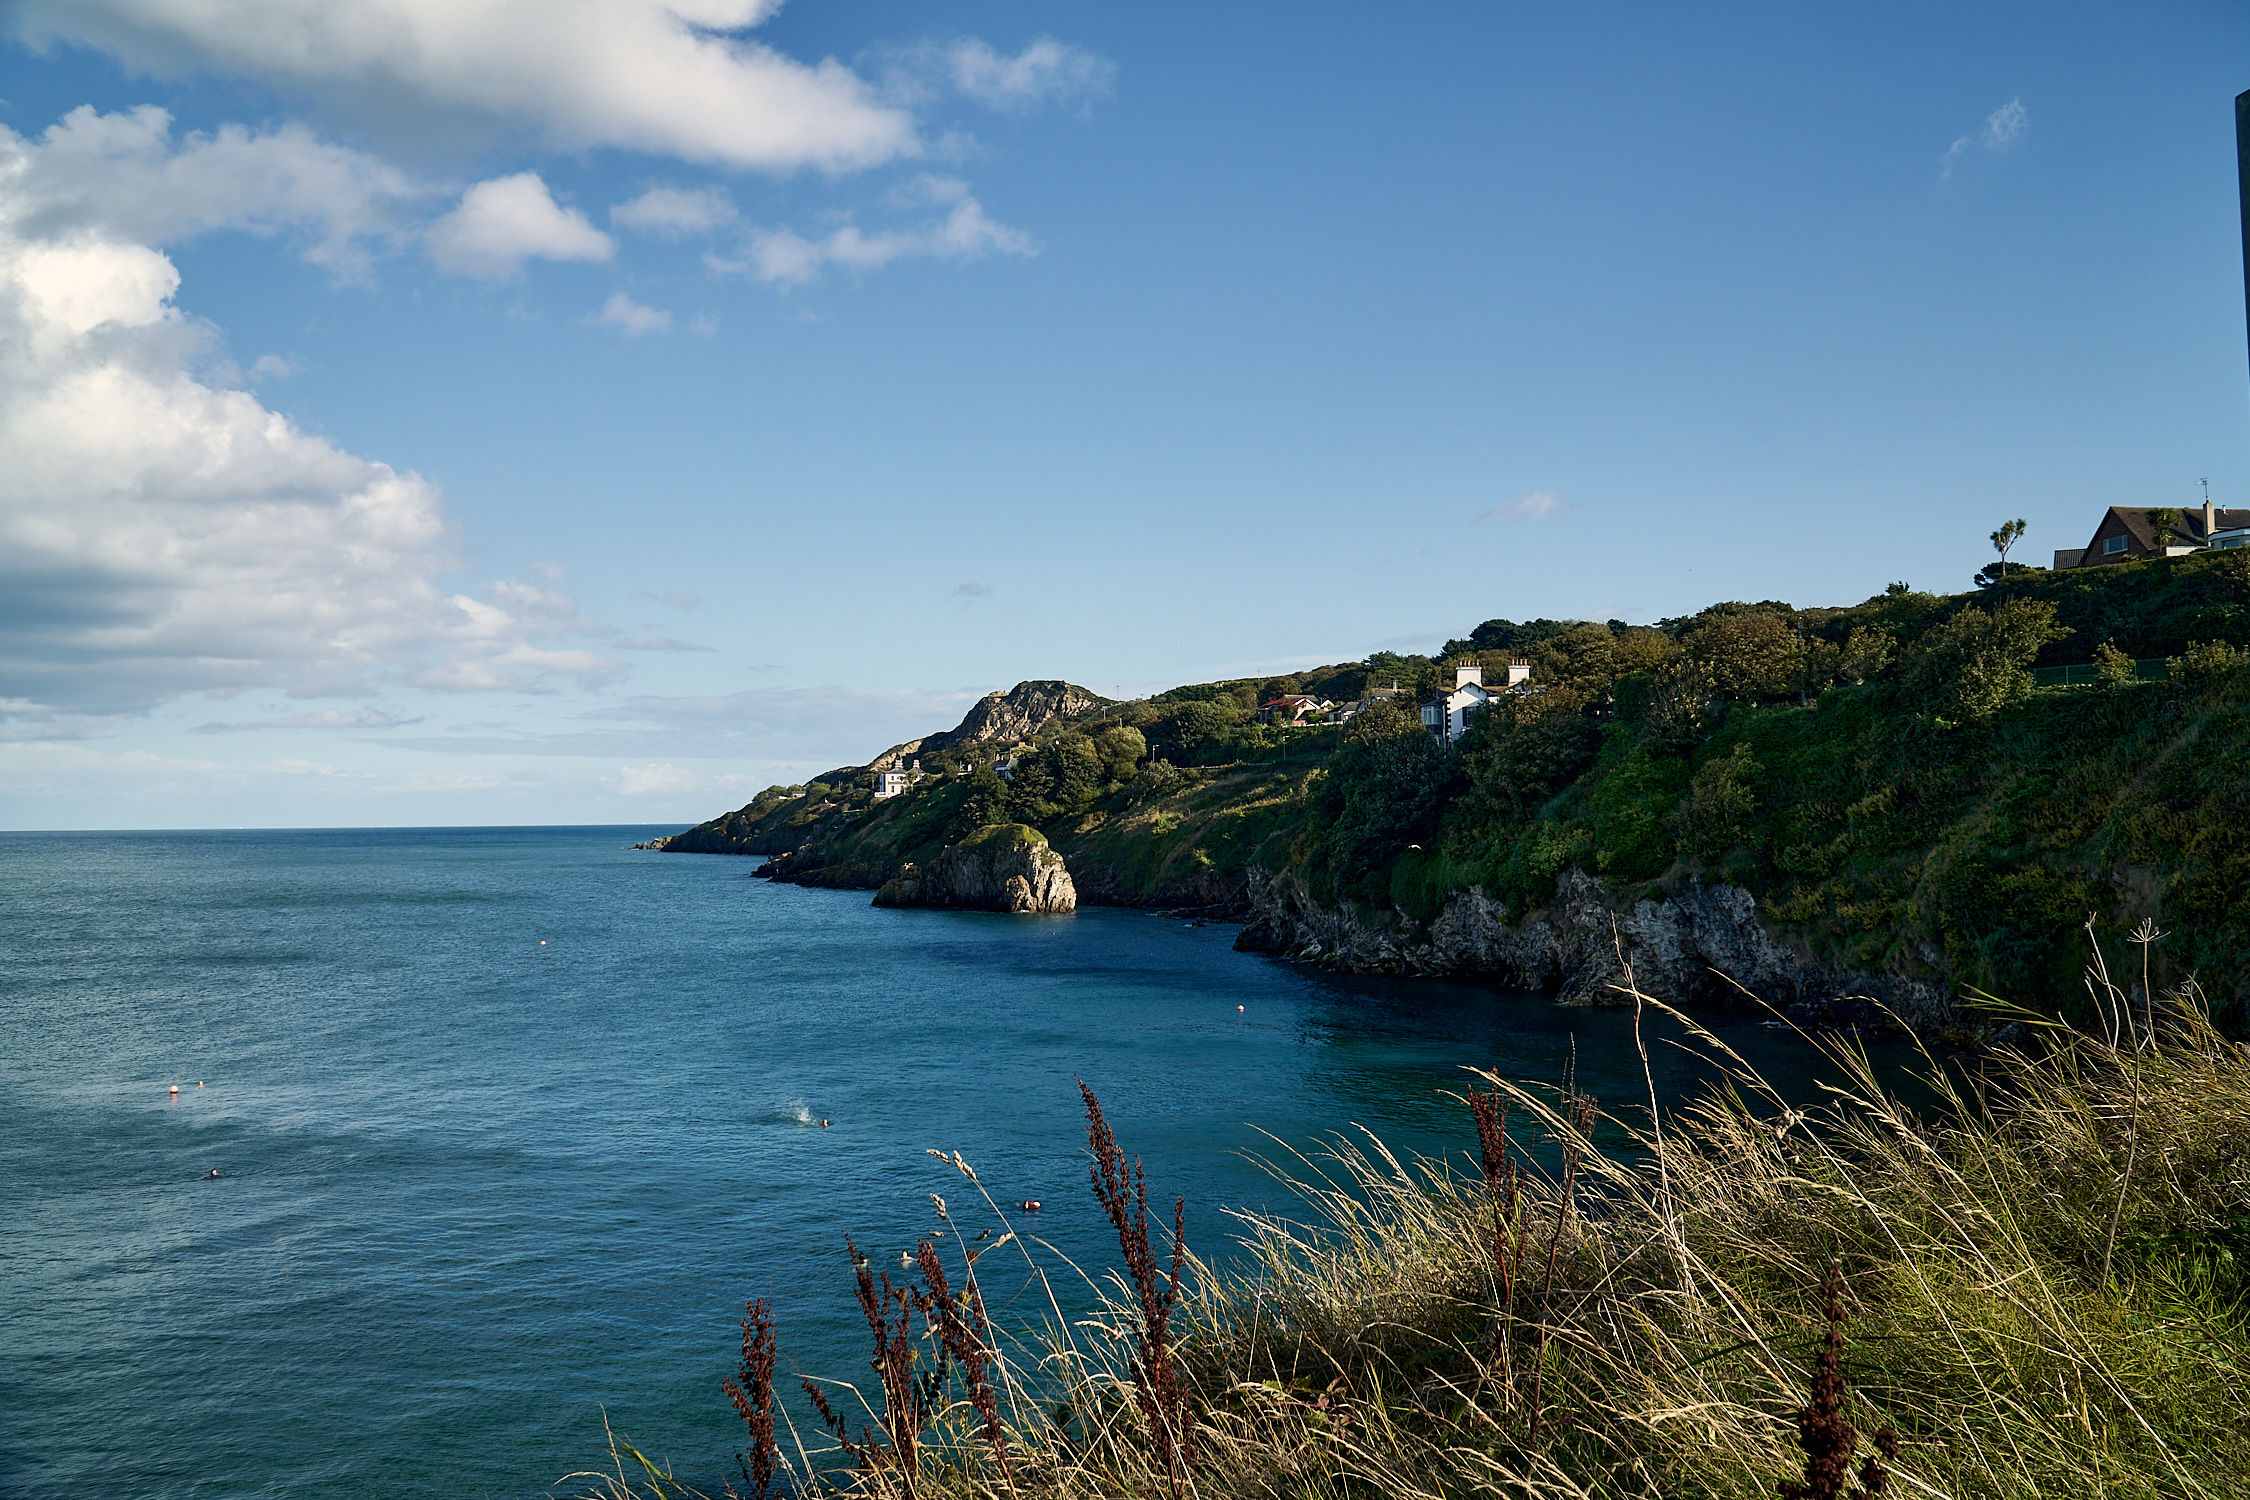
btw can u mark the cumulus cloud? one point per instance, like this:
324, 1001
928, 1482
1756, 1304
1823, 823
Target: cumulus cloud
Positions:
1539, 505
657, 643
662, 76
126, 176
506, 221
631, 317
327, 718
965, 233
674, 212
160, 535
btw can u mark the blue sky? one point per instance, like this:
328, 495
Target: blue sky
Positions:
594, 412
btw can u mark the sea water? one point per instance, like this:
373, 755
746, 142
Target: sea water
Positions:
510, 1122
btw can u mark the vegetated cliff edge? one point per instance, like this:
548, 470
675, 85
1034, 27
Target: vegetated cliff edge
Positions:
999, 867
1839, 811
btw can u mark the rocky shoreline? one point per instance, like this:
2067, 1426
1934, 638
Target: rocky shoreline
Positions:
1702, 945
999, 867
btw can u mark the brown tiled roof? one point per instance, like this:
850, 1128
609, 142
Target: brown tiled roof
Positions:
2189, 532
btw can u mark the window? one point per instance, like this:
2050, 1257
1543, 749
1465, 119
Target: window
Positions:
2112, 546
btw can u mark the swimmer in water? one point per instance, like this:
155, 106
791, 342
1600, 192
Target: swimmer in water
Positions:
210, 1174
824, 1124
1031, 1205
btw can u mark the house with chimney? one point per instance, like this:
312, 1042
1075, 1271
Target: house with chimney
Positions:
2127, 533
1447, 715
1291, 708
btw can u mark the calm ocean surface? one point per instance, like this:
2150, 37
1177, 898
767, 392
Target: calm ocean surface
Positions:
512, 1120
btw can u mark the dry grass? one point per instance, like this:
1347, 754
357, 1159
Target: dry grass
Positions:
2042, 1297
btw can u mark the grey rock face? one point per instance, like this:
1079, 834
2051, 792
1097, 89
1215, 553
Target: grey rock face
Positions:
1704, 944
999, 867
1017, 714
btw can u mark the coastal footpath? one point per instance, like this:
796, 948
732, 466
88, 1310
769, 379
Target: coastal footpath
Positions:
1853, 814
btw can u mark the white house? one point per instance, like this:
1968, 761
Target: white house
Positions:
1448, 715
892, 783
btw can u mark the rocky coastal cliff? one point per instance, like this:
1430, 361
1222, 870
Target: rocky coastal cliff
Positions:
999, 718
1702, 944
999, 867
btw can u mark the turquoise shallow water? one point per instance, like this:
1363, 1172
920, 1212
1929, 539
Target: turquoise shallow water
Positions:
512, 1120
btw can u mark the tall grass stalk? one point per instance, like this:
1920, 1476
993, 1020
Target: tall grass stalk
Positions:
2041, 1300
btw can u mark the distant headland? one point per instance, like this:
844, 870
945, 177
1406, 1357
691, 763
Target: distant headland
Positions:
1852, 814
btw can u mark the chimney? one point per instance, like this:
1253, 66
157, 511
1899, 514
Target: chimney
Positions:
2210, 518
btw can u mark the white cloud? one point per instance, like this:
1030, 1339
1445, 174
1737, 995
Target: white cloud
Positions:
1045, 72
2001, 129
656, 643
661, 76
971, 591
965, 233
2003, 125
160, 535
1539, 505
505, 221
631, 317
124, 176
273, 367
673, 212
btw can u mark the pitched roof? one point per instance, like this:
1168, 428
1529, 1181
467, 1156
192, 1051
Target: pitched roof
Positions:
2134, 519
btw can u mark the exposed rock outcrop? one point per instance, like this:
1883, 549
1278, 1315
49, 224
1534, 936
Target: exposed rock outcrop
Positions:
999, 867
1684, 948
782, 821
1017, 714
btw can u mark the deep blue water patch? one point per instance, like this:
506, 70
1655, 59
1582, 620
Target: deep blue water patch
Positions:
478, 1191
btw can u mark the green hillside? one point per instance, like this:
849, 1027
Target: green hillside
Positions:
1888, 780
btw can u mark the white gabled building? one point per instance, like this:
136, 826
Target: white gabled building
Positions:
893, 783
1447, 716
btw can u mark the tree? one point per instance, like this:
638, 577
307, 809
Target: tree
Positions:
1188, 727
1382, 790
1716, 813
2010, 533
1748, 656
1976, 663
2112, 666
1122, 750
2163, 521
